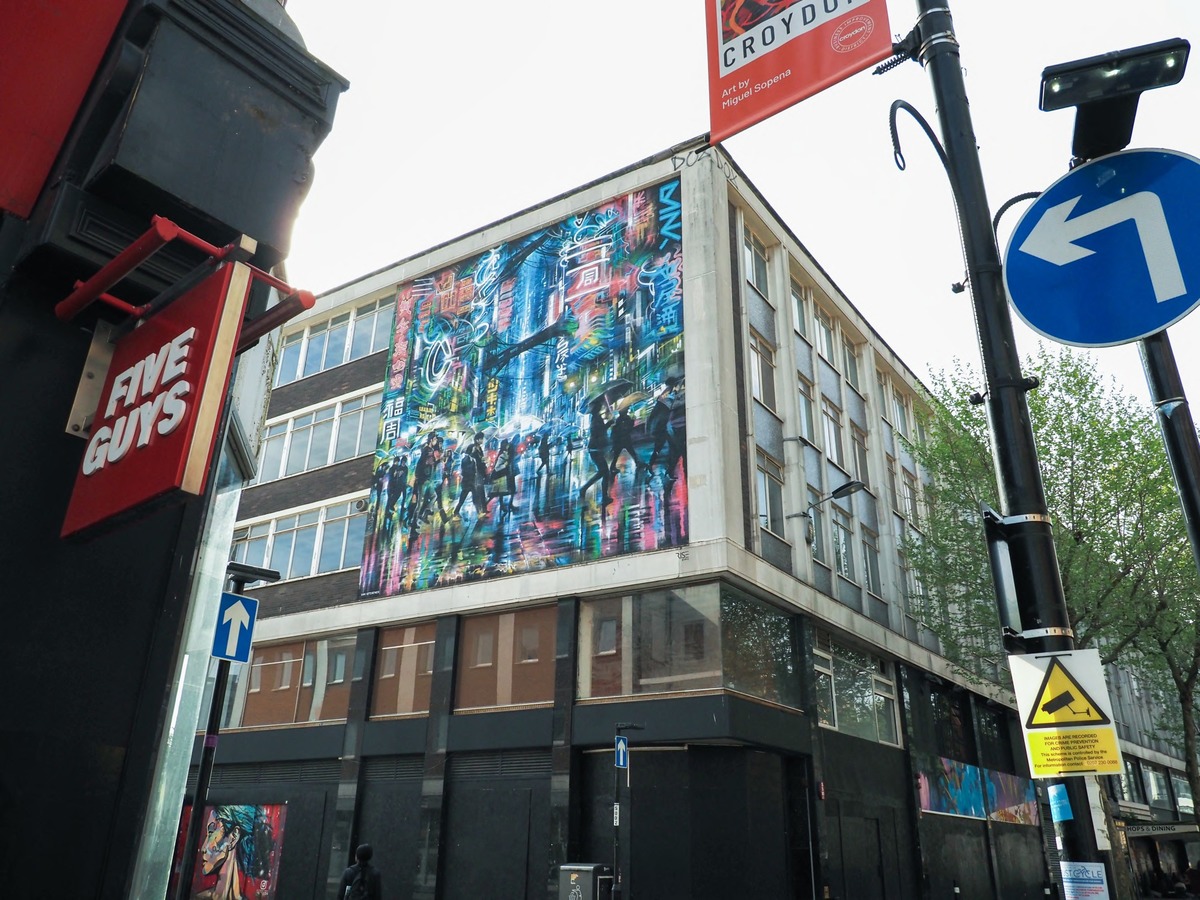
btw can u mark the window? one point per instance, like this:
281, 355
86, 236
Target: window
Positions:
529, 643
817, 512
762, 371
850, 355
289, 358
807, 427
502, 663
859, 439
273, 696
250, 544
372, 327
881, 386
801, 298
344, 337
339, 431
911, 495
855, 692
1183, 795
670, 641
326, 345
341, 538
893, 496
337, 667
832, 417
309, 446
758, 650
825, 340
606, 635
900, 413
293, 542
403, 675
770, 494
484, 641
843, 556
304, 543
357, 423
870, 547
755, 261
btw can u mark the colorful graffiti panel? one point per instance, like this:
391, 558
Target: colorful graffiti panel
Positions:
240, 847
534, 410
951, 788
1011, 798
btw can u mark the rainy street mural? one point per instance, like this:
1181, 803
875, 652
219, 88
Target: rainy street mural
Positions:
533, 415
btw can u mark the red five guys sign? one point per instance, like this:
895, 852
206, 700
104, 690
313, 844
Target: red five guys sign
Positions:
153, 433
765, 55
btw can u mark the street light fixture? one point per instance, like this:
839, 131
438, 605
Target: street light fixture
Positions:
843, 490
1105, 90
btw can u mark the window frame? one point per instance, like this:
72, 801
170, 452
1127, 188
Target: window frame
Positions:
843, 543
762, 371
756, 261
802, 300
825, 328
831, 421
768, 488
805, 390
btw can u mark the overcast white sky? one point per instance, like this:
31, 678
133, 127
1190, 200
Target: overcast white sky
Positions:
461, 114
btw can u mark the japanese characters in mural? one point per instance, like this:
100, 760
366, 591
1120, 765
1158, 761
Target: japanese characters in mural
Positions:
239, 852
533, 415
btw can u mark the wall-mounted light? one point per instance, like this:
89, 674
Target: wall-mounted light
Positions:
843, 490
1105, 90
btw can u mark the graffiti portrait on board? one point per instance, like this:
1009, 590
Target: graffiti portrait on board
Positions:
534, 410
238, 856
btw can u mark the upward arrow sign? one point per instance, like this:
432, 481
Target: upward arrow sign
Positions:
237, 618
1053, 237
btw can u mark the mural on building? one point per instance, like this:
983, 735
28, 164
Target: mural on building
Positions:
240, 846
533, 415
1010, 798
955, 788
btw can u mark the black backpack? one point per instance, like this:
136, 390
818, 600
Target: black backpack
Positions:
360, 888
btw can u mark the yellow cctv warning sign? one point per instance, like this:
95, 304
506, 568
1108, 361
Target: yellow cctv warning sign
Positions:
1061, 700
1066, 715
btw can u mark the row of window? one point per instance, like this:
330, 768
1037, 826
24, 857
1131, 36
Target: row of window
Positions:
699, 638
1151, 785
347, 336
894, 404
304, 543
331, 433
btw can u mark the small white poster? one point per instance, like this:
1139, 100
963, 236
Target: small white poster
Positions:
1083, 881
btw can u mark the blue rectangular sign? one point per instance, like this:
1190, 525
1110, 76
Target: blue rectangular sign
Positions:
235, 627
621, 752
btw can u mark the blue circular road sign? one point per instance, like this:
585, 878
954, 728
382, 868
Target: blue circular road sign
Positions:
1110, 253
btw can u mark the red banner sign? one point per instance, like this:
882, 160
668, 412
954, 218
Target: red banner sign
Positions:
153, 433
766, 55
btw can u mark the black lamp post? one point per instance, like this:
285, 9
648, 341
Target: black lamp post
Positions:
1036, 582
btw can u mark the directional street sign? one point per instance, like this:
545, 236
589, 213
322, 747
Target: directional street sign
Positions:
1066, 714
621, 752
235, 628
1107, 255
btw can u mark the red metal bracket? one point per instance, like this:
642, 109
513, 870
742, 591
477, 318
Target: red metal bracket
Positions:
162, 231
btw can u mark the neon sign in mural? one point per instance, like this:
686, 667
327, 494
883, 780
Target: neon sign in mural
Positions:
533, 415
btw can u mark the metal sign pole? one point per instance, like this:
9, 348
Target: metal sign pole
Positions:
1038, 584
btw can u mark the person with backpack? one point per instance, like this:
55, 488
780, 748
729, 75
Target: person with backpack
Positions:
361, 881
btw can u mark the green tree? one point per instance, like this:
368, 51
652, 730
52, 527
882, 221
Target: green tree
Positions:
1128, 574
